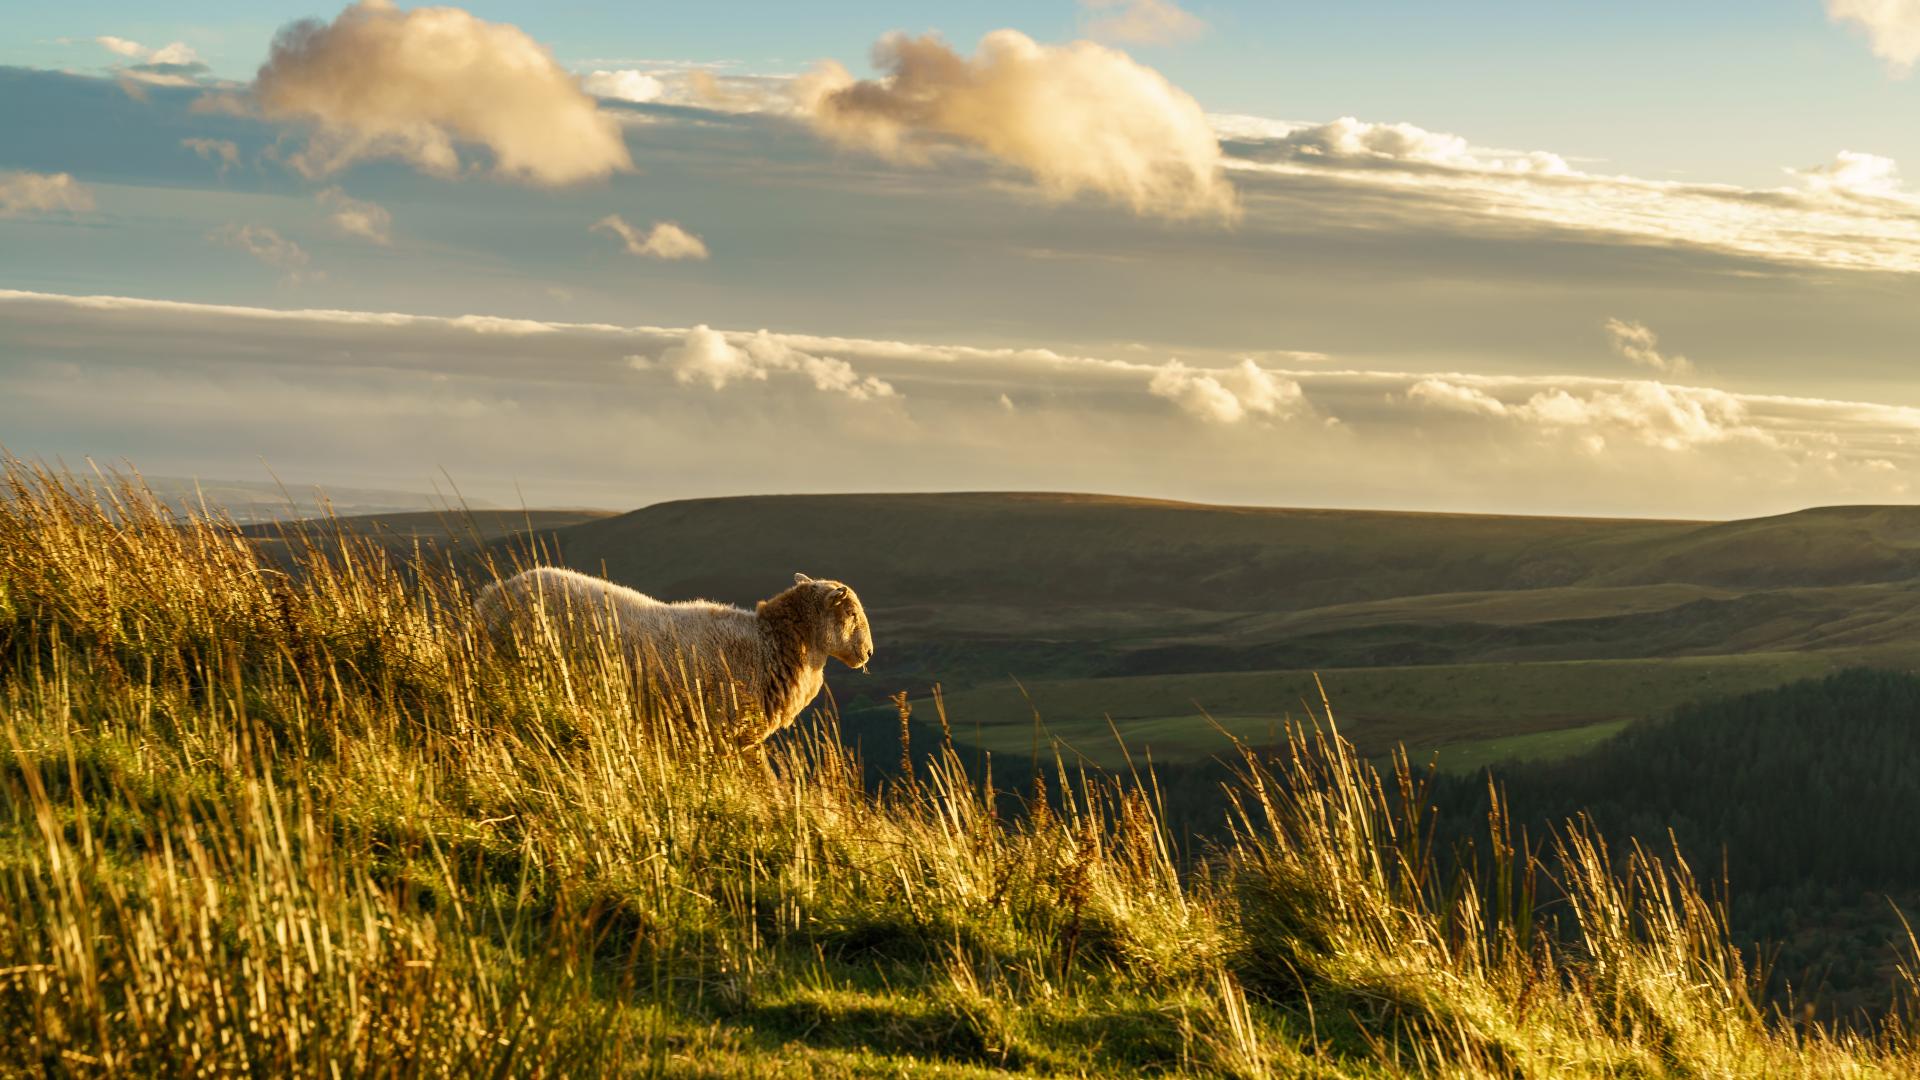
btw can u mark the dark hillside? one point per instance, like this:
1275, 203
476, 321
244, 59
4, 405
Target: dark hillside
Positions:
1087, 599
1106, 552
1808, 796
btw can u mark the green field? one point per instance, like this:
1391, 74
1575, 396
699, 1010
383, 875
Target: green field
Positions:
1477, 711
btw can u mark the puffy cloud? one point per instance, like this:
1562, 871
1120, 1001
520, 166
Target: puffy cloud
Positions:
266, 245
24, 193
1079, 117
381, 82
1639, 345
1139, 22
707, 356
1668, 417
1892, 26
1854, 173
177, 53
223, 153
119, 46
1350, 141
170, 65
624, 85
357, 217
1452, 397
1231, 395
665, 240
1594, 411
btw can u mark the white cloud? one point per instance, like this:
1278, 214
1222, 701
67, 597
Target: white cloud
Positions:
1854, 173
1395, 176
1079, 118
1451, 396
1591, 412
356, 394
1139, 22
1231, 395
1639, 345
119, 46
707, 356
176, 64
357, 217
625, 85
1349, 142
266, 245
666, 240
1892, 26
24, 193
223, 153
178, 53
379, 82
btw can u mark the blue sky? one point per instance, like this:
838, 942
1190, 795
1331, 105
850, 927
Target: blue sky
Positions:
1629, 258
1712, 89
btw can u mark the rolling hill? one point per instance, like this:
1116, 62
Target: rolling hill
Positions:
1476, 629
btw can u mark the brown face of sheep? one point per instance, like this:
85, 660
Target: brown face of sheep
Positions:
849, 638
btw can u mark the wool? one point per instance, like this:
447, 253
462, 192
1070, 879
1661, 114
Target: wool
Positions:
754, 671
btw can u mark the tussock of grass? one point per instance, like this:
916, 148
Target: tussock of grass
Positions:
313, 824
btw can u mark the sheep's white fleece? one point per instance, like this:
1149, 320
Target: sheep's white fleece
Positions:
754, 672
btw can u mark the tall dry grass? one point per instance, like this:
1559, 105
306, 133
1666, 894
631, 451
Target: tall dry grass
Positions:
309, 822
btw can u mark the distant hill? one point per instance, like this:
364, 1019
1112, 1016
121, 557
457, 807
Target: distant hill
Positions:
1099, 603
249, 501
525, 532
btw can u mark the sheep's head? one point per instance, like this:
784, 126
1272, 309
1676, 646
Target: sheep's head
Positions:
841, 621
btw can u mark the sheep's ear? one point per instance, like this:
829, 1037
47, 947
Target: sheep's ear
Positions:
801, 579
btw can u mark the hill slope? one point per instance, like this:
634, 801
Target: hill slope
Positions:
1097, 603
311, 824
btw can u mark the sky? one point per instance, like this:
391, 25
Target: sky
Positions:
1626, 259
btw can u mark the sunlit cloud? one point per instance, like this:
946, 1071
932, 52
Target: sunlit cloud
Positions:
224, 154
1854, 173
357, 217
707, 357
1078, 118
1892, 28
1139, 22
176, 64
624, 85
1639, 345
578, 408
665, 240
1849, 214
1231, 395
268, 247
378, 82
23, 193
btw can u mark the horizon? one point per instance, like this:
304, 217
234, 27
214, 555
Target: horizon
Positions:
438, 502
610, 261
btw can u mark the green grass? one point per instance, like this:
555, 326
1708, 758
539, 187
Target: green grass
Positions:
1423, 708
1476, 755
312, 824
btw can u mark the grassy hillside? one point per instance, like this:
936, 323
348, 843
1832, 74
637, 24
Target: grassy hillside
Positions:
1483, 634
312, 825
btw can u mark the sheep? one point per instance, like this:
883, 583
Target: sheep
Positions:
768, 663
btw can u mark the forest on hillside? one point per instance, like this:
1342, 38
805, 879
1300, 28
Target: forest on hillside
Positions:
1797, 806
